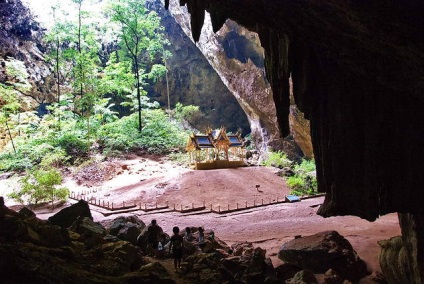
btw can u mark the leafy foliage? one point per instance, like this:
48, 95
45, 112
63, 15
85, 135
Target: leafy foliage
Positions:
40, 185
159, 135
141, 37
277, 159
188, 113
304, 181
73, 144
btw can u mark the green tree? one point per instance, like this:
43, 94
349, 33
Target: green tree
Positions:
40, 185
60, 53
141, 37
11, 90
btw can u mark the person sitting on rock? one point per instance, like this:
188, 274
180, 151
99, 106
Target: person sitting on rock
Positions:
188, 237
201, 238
177, 247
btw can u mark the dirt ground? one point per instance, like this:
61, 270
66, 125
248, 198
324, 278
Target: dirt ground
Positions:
148, 182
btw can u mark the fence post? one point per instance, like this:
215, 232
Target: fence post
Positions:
112, 205
246, 204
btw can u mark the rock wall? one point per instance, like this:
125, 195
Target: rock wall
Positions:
238, 57
21, 39
193, 81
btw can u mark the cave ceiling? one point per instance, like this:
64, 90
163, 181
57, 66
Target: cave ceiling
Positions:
358, 75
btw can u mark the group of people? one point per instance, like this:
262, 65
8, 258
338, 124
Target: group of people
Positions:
156, 240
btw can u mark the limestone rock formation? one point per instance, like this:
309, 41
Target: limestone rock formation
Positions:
21, 39
193, 81
324, 251
241, 71
401, 258
237, 56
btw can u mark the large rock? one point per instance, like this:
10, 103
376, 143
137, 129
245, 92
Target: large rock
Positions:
17, 227
324, 251
127, 228
303, 277
90, 232
150, 273
67, 216
401, 258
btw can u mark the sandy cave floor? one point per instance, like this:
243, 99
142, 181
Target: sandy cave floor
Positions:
147, 181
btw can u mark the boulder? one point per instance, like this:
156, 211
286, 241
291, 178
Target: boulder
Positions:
248, 266
18, 227
25, 211
67, 216
303, 277
394, 261
286, 271
43, 233
90, 233
323, 251
332, 277
126, 228
118, 258
149, 273
213, 243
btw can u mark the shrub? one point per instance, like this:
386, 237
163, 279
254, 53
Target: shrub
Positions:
189, 113
277, 159
158, 135
14, 162
55, 158
73, 144
40, 185
304, 181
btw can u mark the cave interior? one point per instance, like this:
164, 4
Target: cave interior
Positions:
357, 69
